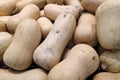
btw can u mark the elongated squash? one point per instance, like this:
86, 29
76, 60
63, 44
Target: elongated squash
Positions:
7, 6
86, 30
26, 38
45, 25
34, 74
52, 11
29, 11
81, 62
107, 76
49, 52
4, 18
5, 40
22, 3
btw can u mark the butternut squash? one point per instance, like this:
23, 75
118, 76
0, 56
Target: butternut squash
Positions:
75, 3
5, 18
55, 1
53, 10
7, 6
108, 25
34, 74
81, 62
86, 30
5, 40
110, 60
45, 25
49, 52
26, 38
2, 26
22, 3
92, 5
107, 76
29, 11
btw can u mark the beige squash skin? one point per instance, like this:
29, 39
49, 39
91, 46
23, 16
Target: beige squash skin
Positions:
2, 26
48, 54
5, 40
107, 76
45, 25
53, 10
42, 14
110, 61
75, 3
4, 18
55, 1
29, 11
81, 62
34, 74
7, 6
26, 38
108, 25
21, 4
86, 30
92, 5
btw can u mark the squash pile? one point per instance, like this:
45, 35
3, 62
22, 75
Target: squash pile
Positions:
59, 39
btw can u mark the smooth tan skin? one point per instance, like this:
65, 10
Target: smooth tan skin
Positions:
81, 62
110, 61
107, 76
2, 26
26, 38
86, 30
49, 52
52, 11
75, 3
29, 11
5, 40
55, 1
108, 29
91, 5
42, 14
4, 18
7, 6
45, 25
34, 74
22, 3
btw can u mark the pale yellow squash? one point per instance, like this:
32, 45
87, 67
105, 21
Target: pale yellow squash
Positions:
7, 6
22, 3
5, 40
108, 24
29, 11
107, 76
26, 38
52, 11
45, 25
80, 63
34, 74
86, 30
49, 52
